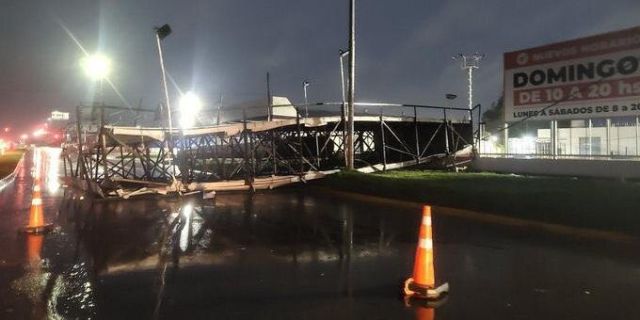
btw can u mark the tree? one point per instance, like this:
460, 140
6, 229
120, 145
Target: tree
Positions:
494, 117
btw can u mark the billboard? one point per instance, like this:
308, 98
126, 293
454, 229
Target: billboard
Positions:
596, 76
57, 115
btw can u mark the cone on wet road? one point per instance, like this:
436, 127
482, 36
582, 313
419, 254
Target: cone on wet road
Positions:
422, 284
36, 215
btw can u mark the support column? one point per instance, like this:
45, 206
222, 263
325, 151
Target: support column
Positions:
608, 137
415, 126
589, 137
103, 146
637, 131
446, 131
554, 138
570, 139
317, 151
506, 138
384, 145
349, 149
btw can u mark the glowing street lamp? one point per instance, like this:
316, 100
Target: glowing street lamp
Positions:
190, 105
97, 66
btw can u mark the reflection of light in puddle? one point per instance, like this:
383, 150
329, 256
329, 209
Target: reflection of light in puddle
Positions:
72, 295
190, 224
53, 168
36, 163
187, 212
34, 281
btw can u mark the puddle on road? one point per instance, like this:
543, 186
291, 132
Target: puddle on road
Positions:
286, 253
276, 248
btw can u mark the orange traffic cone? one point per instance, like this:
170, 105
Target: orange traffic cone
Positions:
422, 284
36, 216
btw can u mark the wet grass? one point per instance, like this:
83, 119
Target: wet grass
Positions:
8, 162
591, 203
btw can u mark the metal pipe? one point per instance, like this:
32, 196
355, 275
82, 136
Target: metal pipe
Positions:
470, 75
352, 81
269, 101
384, 145
167, 103
590, 137
446, 131
341, 55
415, 126
637, 142
506, 138
608, 137
164, 83
305, 84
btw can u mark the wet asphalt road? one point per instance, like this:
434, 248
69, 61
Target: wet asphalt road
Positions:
288, 254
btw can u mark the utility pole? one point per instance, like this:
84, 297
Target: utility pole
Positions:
269, 103
305, 85
162, 33
352, 81
469, 63
343, 115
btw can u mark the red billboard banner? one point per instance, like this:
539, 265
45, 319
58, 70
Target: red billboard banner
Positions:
599, 75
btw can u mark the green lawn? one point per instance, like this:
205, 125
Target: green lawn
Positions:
8, 162
600, 204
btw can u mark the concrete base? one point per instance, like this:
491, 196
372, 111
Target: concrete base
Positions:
616, 169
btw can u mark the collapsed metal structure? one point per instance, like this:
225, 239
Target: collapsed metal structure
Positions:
253, 153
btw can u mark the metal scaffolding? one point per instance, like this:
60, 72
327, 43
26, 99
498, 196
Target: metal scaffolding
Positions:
107, 156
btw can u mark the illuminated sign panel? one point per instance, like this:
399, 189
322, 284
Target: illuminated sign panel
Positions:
57, 115
597, 76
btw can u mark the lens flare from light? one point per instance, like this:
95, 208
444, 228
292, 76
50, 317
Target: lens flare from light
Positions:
53, 169
190, 105
96, 66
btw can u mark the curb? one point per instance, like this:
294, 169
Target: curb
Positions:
4, 182
494, 218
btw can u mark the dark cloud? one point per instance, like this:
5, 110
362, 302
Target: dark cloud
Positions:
227, 46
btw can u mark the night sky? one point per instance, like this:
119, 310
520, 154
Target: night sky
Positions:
404, 47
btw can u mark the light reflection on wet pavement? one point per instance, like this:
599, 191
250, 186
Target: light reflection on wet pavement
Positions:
290, 254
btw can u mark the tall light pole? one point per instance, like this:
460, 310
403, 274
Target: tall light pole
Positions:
349, 153
305, 85
341, 55
161, 33
469, 63
343, 116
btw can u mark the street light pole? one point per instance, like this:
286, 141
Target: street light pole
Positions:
341, 55
352, 81
469, 63
306, 84
343, 116
161, 33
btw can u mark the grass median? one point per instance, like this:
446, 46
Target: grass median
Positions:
591, 203
8, 162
